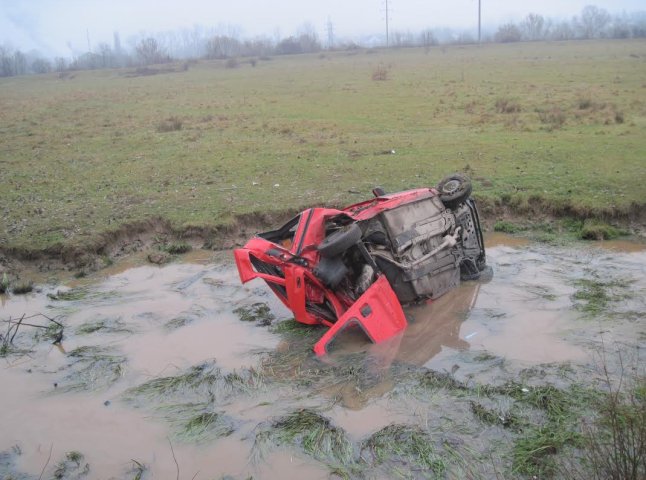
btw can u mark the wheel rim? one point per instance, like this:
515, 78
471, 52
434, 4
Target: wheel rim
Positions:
451, 186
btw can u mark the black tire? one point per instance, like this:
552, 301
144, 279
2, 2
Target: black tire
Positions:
339, 241
454, 189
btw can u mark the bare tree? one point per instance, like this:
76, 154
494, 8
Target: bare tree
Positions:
106, 57
533, 27
427, 38
562, 31
40, 65
6, 62
222, 46
60, 64
593, 21
19, 63
149, 52
508, 32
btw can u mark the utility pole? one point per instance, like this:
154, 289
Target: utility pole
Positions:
387, 42
330, 34
479, 22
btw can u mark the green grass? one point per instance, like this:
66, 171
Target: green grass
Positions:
85, 155
594, 295
311, 432
404, 448
92, 368
257, 312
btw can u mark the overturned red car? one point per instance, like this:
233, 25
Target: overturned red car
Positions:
359, 265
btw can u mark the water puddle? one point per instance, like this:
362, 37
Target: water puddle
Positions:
157, 365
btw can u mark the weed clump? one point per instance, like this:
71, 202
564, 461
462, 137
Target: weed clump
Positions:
553, 117
408, 446
171, 124
596, 230
197, 422
177, 248
103, 325
380, 73
206, 425
593, 296
200, 382
507, 105
506, 227
70, 466
93, 368
311, 432
258, 312
615, 443
488, 416
22, 288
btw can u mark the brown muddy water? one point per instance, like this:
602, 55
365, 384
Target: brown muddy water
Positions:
158, 376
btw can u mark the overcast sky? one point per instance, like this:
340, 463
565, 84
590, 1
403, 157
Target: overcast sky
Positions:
53, 26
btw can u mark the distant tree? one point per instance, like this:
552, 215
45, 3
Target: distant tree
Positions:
60, 64
402, 39
427, 38
149, 52
638, 25
6, 62
620, 28
304, 43
222, 46
593, 21
562, 31
508, 33
19, 63
106, 56
40, 65
259, 46
533, 27
86, 61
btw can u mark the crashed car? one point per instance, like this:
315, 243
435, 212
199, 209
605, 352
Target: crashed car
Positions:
359, 265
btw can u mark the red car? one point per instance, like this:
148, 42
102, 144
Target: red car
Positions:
358, 265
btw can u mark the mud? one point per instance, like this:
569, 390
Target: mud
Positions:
182, 363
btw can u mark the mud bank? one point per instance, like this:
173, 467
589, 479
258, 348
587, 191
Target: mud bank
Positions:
154, 233
179, 367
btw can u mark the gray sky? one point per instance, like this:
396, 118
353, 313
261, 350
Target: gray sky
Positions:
52, 26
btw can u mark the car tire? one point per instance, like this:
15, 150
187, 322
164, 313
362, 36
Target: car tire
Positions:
339, 241
454, 189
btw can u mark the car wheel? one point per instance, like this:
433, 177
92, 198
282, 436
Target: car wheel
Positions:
454, 189
339, 241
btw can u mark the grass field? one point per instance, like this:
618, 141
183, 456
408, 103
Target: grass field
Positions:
561, 126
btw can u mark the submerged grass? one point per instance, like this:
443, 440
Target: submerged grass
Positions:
198, 380
593, 296
257, 312
311, 432
404, 450
71, 467
92, 368
196, 422
103, 325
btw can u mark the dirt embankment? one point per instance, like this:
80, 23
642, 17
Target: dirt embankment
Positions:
155, 232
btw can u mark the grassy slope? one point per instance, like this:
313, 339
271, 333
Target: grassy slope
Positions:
82, 155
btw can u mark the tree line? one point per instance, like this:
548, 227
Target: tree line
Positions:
199, 42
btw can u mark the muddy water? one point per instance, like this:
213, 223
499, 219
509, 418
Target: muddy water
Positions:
163, 320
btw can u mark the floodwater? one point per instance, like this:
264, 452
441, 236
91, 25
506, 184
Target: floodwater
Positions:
160, 321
